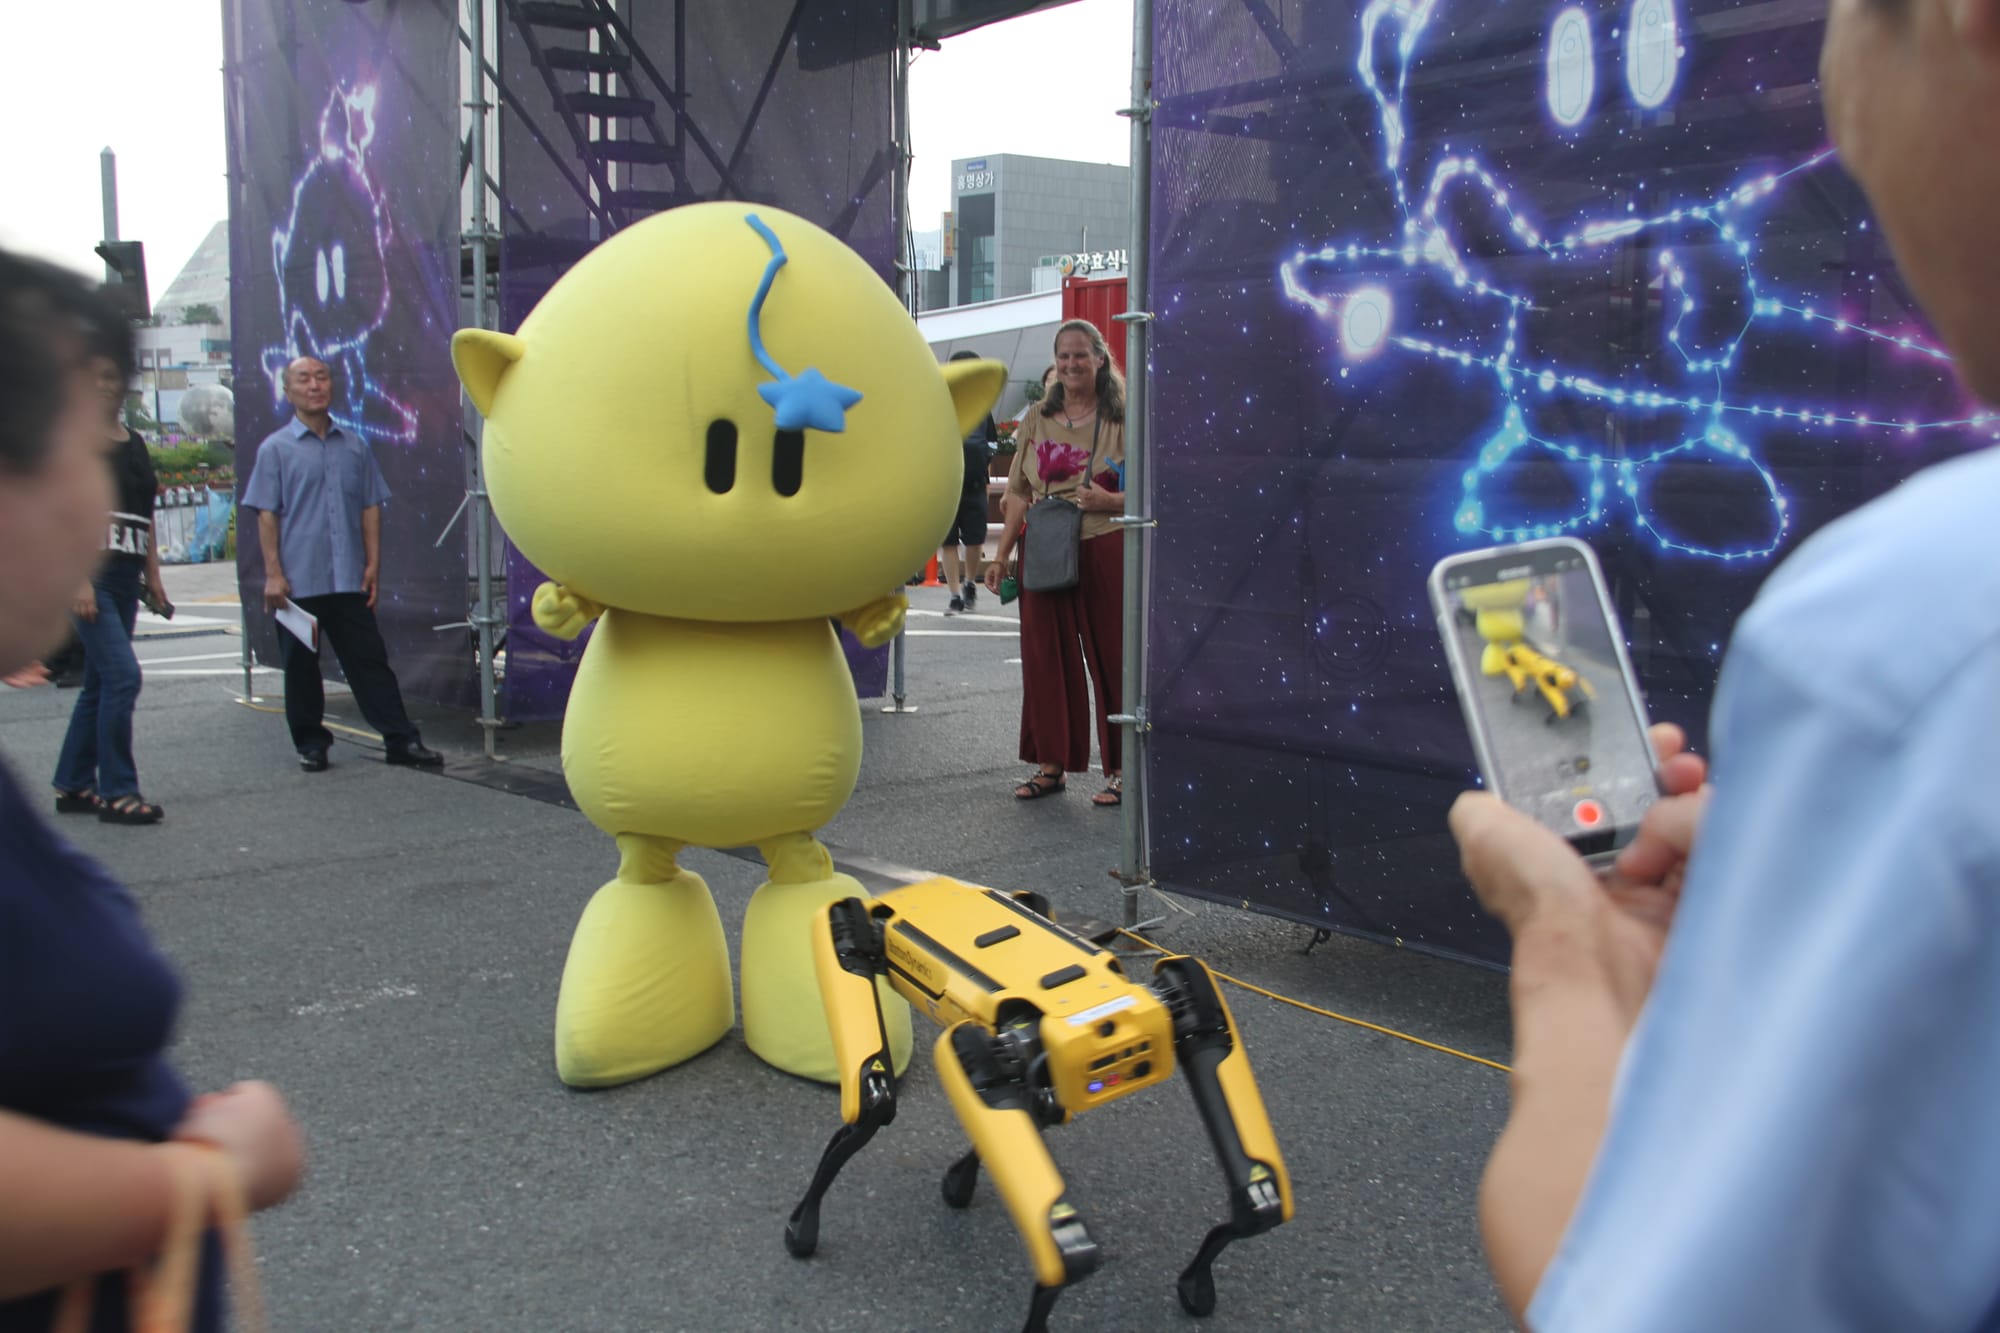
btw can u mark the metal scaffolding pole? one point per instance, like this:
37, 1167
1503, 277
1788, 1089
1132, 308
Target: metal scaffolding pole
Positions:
906, 278
484, 620
1134, 872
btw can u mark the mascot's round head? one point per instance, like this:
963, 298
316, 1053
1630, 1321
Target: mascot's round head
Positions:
722, 413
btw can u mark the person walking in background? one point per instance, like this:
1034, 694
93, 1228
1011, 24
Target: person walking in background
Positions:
1071, 444
318, 496
968, 527
96, 773
87, 1004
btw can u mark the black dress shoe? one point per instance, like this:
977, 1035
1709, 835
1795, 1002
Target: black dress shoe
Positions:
415, 755
313, 761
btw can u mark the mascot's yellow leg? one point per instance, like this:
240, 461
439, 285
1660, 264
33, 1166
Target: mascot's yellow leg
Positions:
784, 1022
647, 981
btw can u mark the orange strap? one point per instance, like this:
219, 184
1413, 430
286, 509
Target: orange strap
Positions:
206, 1192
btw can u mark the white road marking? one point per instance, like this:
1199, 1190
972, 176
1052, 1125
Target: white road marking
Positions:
963, 615
213, 671
182, 620
194, 657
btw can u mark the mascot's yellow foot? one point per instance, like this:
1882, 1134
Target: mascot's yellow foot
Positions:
647, 981
784, 1020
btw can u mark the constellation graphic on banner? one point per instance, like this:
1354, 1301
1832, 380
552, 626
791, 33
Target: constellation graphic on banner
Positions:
331, 255
1463, 225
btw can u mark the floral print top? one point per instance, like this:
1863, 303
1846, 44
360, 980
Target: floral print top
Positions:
1051, 458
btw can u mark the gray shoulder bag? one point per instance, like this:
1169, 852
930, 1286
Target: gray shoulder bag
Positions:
1054, 537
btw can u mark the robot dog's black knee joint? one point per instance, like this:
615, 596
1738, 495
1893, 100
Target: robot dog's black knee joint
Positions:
1080, 1254
878, 1099
1257, 1207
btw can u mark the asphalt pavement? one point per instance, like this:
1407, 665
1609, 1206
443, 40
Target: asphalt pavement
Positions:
385, 944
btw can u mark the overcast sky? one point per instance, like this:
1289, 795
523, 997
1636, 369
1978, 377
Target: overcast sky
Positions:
1049, 84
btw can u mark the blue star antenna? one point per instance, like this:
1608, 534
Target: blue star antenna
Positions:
810, 399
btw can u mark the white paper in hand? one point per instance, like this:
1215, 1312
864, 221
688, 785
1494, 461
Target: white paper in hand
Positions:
303, 624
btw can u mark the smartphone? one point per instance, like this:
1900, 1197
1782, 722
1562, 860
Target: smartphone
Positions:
1539, 664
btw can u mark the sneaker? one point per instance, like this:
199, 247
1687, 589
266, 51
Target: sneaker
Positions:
971, 594
957, 604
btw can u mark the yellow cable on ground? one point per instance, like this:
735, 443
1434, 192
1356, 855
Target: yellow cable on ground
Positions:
1328, 1013
355, 732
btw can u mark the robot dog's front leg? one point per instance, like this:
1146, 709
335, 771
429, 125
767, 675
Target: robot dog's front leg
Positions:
999, 1111
847, 957
1225, 1092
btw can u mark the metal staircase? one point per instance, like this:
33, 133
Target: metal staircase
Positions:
610, 97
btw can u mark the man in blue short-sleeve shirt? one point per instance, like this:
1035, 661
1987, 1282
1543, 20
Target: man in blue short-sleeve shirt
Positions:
1757, 1071
319, 496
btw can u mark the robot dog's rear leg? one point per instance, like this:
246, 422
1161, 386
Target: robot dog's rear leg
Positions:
1225, 1093
997, 1108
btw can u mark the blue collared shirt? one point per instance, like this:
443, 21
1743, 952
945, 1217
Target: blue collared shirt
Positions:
317, 488
1805, 1134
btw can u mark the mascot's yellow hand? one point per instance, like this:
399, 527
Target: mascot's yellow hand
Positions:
560, 612
879, 621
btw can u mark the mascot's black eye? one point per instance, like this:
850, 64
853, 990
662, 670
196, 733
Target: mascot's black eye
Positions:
720, 470
788, 462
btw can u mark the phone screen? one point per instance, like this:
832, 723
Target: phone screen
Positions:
1557, 726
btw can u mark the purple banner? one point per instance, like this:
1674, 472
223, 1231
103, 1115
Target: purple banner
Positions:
343, 245
1436, 274
788, 105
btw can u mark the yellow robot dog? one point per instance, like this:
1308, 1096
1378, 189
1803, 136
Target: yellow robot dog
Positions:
717, 432
1496, 611
1561, 687
1040, 1025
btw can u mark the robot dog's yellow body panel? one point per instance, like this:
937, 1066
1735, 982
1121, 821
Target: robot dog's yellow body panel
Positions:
1040, 1025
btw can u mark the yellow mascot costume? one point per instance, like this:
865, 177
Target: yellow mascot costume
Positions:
717, 433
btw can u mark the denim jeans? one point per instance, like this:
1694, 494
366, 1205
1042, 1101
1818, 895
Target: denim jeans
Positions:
97, 752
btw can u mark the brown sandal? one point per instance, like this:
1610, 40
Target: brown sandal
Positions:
1039, 785
1113, 793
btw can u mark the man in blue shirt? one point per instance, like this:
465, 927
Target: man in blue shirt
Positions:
318, 497
1757, 1072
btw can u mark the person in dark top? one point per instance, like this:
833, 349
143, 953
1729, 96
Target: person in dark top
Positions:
87, 1004
968, 525
96, 773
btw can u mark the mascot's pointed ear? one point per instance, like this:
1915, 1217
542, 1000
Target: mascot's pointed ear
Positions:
482, 357
975, 386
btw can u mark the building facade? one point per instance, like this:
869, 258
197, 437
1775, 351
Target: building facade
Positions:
1015, 216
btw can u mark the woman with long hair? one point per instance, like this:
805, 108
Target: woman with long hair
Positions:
1071, 446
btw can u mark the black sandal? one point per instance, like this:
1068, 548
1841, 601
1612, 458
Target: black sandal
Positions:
130, 810
83, 802
1039, 785
1113, 793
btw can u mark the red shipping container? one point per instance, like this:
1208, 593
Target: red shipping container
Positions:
1098, 300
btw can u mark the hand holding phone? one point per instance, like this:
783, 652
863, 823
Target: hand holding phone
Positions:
1541, 672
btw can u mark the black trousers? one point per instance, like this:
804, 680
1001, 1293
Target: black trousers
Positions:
346, 622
